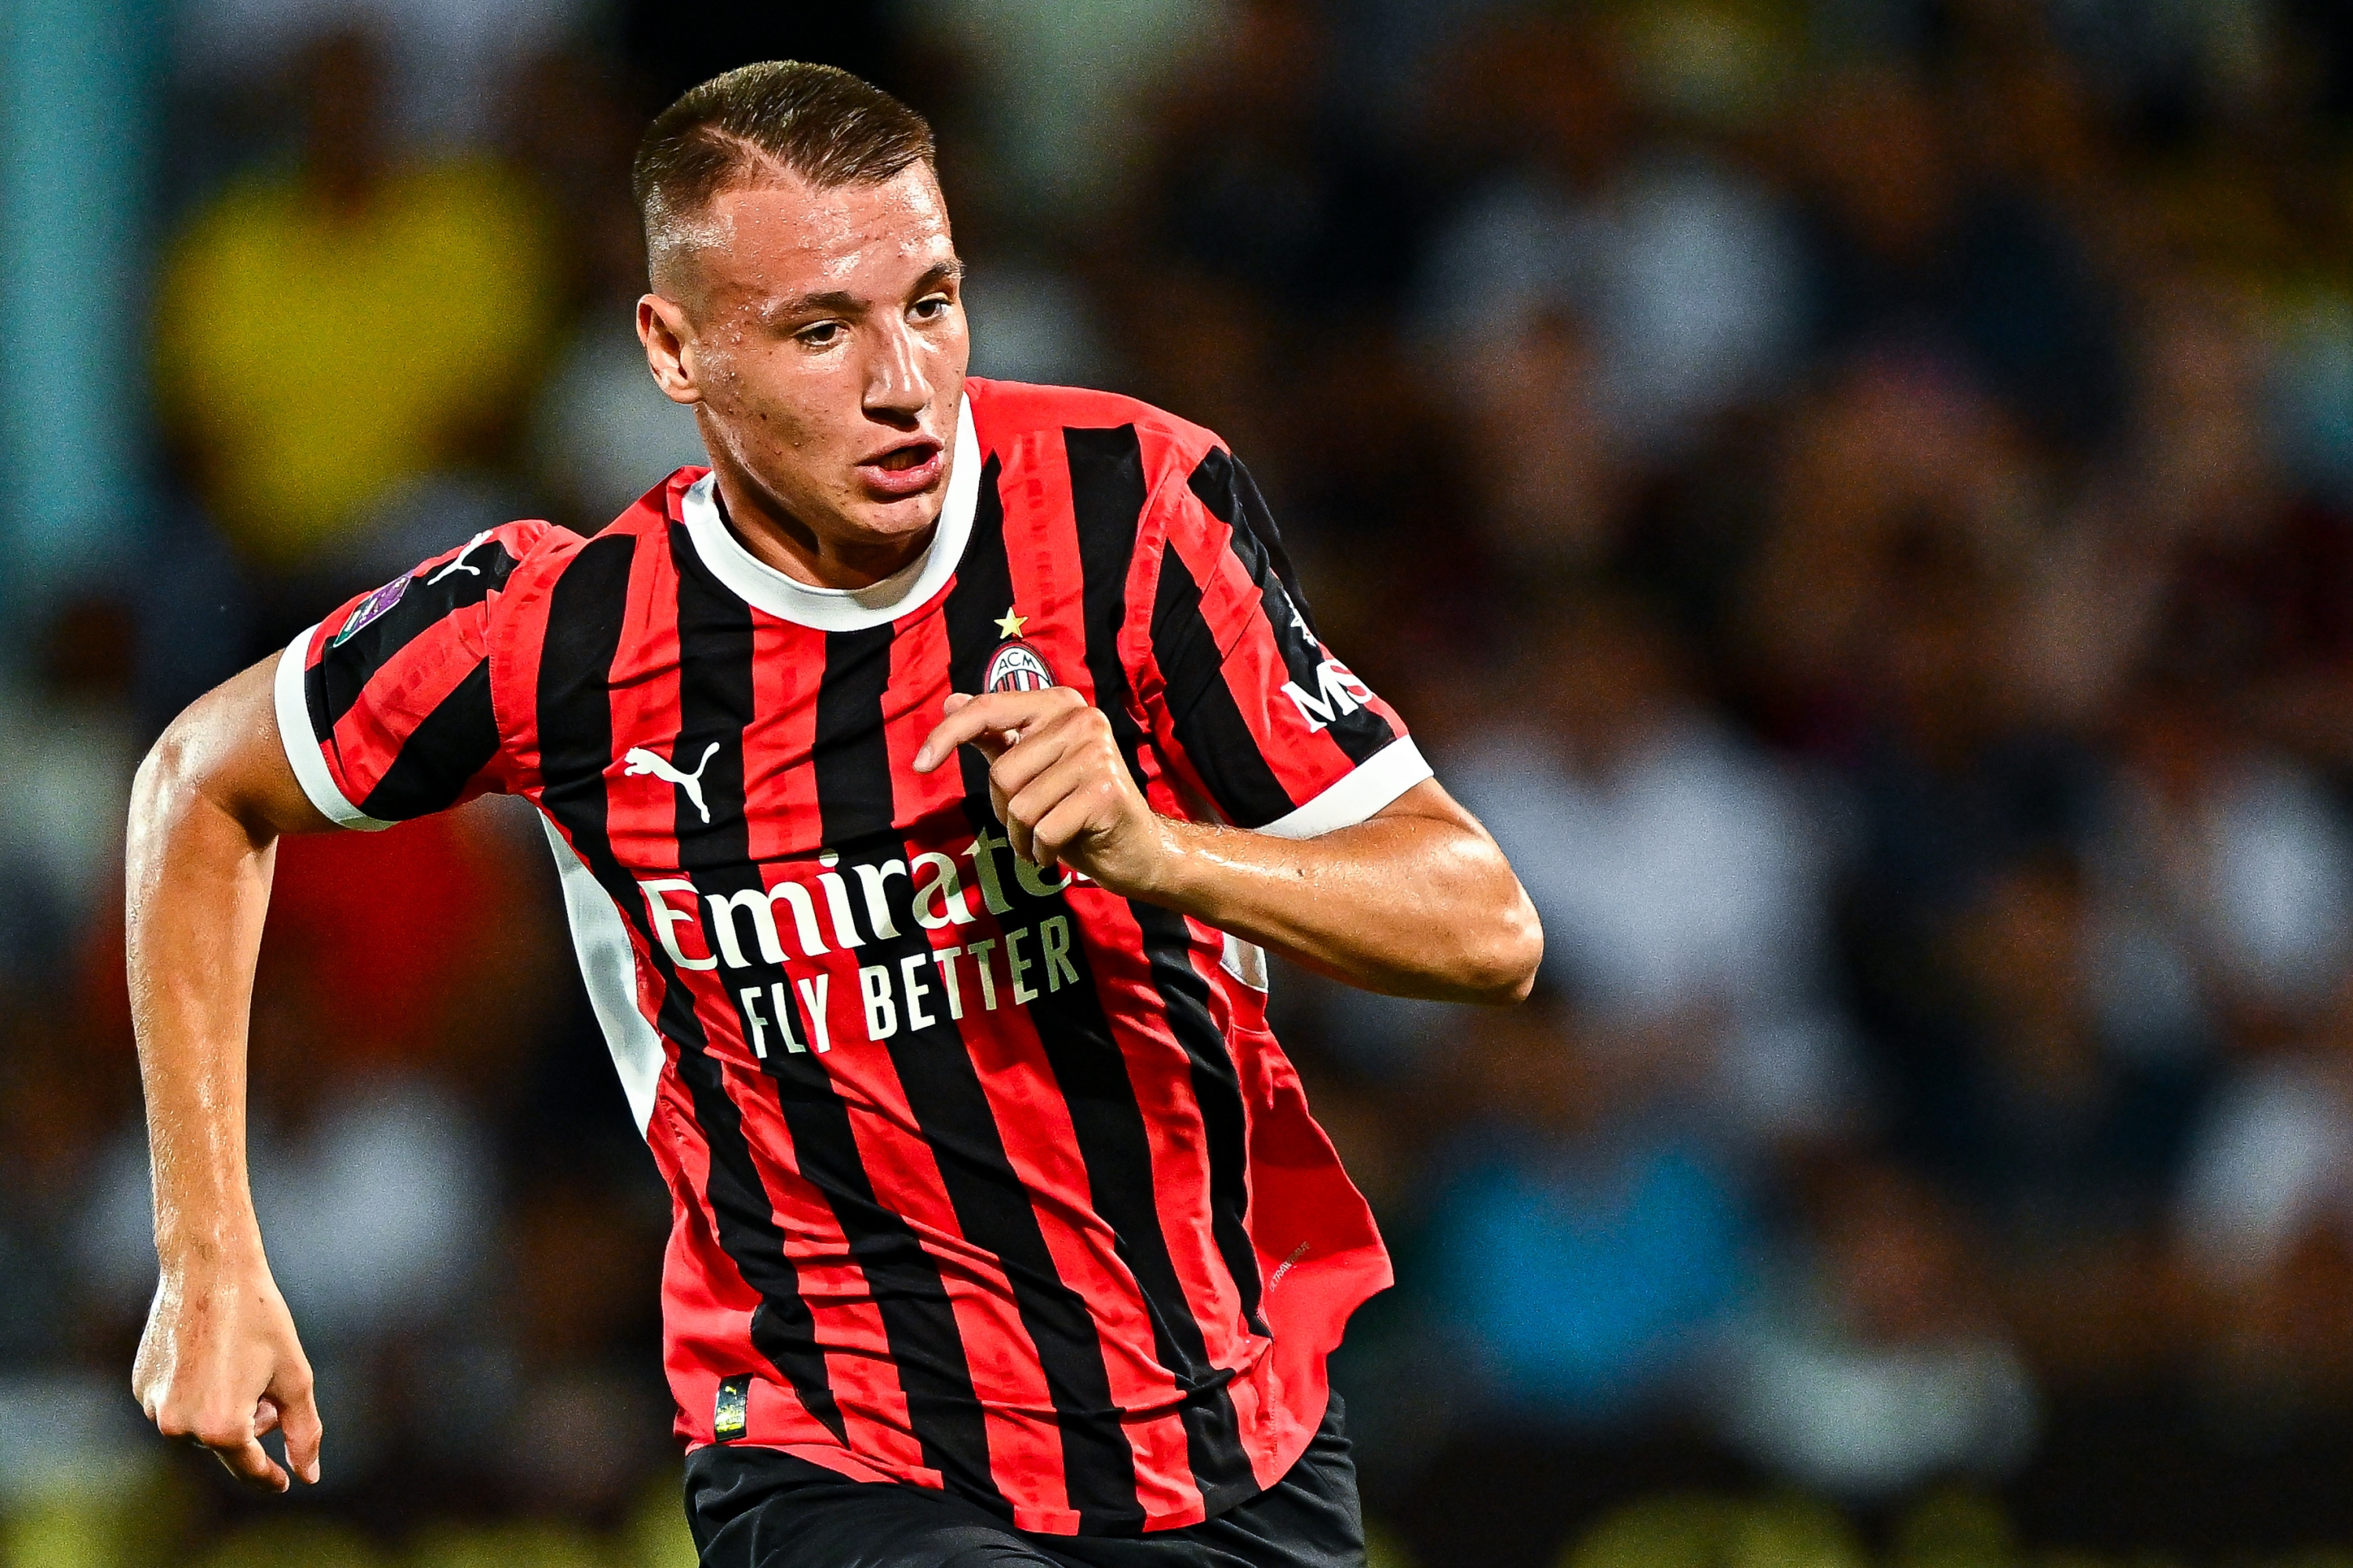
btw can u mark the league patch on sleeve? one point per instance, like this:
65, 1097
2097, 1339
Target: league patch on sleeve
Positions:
371, 608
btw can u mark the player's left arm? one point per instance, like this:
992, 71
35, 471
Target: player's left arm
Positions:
1416, 900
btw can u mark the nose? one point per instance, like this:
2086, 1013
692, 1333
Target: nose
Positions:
898, 390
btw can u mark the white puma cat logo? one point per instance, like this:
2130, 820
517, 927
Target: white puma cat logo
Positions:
458, 563
641, 761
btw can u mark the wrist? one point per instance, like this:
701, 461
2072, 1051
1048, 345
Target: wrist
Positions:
230, 1244
1174, 872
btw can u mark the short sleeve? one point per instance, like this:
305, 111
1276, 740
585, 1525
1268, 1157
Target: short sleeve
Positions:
385, 708
1246, 703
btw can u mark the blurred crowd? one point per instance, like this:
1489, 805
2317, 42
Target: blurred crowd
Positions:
1858, 495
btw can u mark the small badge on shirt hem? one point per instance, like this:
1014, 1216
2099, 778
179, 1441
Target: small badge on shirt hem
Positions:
731, 1411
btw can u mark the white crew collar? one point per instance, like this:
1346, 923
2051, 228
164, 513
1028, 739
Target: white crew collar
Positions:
763, 587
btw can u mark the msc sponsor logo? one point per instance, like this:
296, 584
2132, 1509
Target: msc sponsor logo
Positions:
1337, 694
772, 926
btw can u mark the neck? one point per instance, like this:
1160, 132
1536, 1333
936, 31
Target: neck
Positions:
777, 538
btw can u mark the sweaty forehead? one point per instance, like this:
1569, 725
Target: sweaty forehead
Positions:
758, 244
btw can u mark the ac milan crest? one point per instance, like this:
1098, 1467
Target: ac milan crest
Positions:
1018, 667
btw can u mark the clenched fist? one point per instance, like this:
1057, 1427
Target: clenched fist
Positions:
220, 1365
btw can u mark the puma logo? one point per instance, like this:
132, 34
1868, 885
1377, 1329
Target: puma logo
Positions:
641, 761
458, 563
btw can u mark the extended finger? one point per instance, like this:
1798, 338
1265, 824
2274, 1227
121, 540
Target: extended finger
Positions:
998, 713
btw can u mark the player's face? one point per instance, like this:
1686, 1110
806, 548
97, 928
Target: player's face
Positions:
821, 337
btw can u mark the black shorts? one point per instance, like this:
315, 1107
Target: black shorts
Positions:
761, 1507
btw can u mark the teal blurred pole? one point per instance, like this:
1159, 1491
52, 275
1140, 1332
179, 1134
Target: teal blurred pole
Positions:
79, 84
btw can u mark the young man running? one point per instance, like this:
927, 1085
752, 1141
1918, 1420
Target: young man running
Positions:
926, 778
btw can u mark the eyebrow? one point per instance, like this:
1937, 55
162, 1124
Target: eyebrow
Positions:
840, 302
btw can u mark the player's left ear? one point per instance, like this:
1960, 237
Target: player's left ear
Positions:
662, 328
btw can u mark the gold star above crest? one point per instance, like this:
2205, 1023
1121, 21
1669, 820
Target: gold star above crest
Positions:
1009, 623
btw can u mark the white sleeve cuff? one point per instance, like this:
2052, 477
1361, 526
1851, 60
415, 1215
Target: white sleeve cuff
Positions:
303, 747
1369, 786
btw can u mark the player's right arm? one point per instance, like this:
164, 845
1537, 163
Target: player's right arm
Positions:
219, 1363
379, 714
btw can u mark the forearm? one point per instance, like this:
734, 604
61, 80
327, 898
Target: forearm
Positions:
1410, 904
198, 892
1416, 900
219, 1361
206, 811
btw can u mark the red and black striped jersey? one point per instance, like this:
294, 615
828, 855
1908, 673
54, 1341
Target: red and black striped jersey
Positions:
984, 1179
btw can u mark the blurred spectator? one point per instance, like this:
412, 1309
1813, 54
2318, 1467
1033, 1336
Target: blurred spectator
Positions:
327, 331
1589, 1248
446, 62
2226, 870
1677, 270
1053, 85
1878, 1362
69, 742
1907, 247
370, 1204
1253, 183
2066, 1136
2274, 1161
1674, 867
585, 1419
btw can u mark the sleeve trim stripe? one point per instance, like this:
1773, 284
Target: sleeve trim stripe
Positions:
303, 747
1371, 785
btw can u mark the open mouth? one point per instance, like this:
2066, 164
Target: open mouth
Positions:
903, 470
906, 456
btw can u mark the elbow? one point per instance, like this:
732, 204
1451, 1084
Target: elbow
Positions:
1501, 969
163, 770
159, 791
184, 766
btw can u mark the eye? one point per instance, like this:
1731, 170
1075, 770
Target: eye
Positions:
931, 307
819, 335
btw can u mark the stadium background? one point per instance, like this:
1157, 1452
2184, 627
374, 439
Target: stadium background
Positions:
1858, 492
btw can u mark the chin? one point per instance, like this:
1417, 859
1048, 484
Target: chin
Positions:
899, 516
